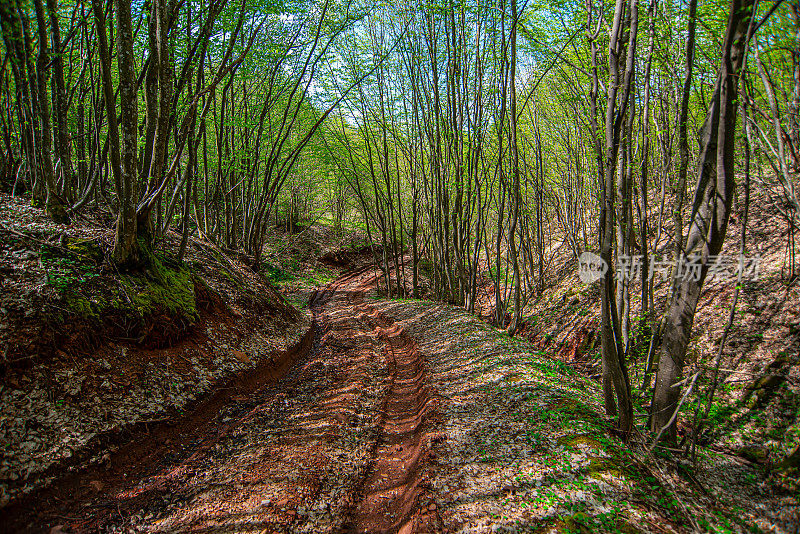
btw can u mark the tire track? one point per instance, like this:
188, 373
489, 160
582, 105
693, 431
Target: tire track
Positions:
393, 497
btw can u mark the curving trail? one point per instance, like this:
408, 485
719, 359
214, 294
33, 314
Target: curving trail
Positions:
338, 442
392, 417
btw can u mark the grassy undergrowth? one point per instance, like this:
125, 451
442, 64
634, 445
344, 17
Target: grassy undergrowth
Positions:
292, 275
593, 481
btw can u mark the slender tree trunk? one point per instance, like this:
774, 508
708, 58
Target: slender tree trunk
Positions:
644, 229
515, 188
794, 106
163, 75
54, 204
683, 139
126, 247
60, 103
624, 28
710, 213
16, 46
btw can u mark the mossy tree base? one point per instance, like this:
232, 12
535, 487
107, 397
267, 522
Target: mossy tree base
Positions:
154, 305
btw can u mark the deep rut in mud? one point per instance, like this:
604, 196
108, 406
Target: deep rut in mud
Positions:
339, 443
391, 498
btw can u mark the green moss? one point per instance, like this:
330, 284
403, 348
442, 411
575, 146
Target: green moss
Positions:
82, 306
164, 285
603, 466
85, 248
576, 440
575, 409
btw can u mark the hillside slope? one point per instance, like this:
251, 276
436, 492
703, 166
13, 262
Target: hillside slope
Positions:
407, 416
755, 415
89, 352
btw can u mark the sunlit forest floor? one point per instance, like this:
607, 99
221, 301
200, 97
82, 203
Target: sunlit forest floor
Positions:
755, 414
231, 411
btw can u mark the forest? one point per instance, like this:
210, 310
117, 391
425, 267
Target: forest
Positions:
608, 185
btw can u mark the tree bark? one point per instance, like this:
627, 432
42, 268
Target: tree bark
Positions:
683, 139
710, 213
624, 29
126, 247
60, 103
515, 187
54, 205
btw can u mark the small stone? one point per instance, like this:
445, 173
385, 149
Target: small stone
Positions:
432, 507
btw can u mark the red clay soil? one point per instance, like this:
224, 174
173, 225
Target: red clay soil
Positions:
333, 436
392, 492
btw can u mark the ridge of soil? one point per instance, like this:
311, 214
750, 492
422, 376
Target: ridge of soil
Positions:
526, 448
91, 356
391, 494
339, 443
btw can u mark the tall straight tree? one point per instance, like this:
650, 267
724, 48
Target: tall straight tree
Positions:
516, 197
60, 100
711, 210
18, 55
623, 38
55, 206
123, 153
683, 138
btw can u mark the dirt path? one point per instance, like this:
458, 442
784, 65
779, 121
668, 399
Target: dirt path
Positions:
340, 442
392, 493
